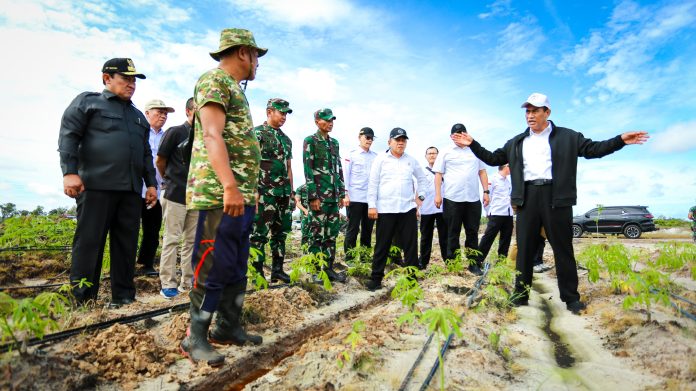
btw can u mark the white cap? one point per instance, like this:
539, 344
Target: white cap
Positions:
537, 100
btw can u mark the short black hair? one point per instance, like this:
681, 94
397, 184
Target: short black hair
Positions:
189, 104
435, 148
500, 168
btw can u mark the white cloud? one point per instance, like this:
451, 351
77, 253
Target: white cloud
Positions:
518, 43
679, 137
497, 8
312, 13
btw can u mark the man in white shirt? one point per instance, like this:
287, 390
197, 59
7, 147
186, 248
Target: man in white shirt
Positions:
392, 201
156, 112
357, 174
431, 215
499, 213
461, 171
543, 169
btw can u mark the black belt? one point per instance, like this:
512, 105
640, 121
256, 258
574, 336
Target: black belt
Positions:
539, 182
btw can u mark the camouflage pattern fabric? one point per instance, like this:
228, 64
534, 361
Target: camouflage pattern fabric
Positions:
323, 226
302, 192
322, 169
204, 190
272, 216
276, 150
693, 221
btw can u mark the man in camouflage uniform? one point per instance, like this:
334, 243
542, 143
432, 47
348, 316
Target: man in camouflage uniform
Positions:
275, 189
692, 217
325, 189
222, 183
301, 201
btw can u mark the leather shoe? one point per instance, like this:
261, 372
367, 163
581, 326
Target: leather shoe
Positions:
519, 301
475, 269
120, 301
373, 285
281, 275
576, 306
149, 271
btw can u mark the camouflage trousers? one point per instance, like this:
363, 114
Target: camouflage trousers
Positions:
272, 216
304, 225
323, 226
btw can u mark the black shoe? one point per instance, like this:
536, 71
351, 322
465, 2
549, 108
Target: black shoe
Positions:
333, 276
373, 285
576, 306
475, 269
118, 302
519, 301
281, 275
149, 271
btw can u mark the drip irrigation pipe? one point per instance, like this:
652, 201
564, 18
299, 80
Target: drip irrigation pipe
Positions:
679, 308
477, 285
404, 383
436, 364
30, 248
63, 335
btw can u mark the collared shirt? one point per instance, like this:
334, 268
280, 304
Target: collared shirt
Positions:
500, 189
357, 173
276, 150
322, 168
428, 207
460, 171
392, 187
177, 168
155, 139
536, 154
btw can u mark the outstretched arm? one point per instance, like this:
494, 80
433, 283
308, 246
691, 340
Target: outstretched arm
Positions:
495, 158
638, 137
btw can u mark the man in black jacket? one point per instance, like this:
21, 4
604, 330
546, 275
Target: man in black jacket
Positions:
105, 156
543, 165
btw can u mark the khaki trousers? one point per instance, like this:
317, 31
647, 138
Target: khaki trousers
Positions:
179, 228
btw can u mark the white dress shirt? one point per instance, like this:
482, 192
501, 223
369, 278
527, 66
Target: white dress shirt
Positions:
357, 173
392, 187
536, 155
428, 207
500, 189
460, 171
154, 140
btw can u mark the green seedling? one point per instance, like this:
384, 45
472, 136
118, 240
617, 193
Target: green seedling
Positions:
442, 322
310, 264
254, 275
354, 338
406, 288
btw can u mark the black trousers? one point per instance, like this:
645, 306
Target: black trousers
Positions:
100, 213
557, 222
457, 214
539, 254
358, 221
151, 222
496, 224
427, 225
388, 224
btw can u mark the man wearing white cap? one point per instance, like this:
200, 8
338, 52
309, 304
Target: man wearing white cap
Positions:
543, 166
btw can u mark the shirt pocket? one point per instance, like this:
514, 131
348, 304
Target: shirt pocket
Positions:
110, 122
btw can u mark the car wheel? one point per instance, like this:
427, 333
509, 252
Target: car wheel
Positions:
577, 231
632, 231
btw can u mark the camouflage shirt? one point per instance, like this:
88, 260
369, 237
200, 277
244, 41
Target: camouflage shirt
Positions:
302, 192
204, 190
322, 168
276, 150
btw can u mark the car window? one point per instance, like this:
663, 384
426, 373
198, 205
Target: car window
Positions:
593, 213
612, 211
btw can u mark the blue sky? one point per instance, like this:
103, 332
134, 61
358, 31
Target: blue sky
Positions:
607, 67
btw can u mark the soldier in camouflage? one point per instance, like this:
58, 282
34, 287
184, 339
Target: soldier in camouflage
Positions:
303, 205
692, 217
222, 183
275, 189
325, 189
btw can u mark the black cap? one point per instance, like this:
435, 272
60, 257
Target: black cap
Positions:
367, 132
398, 133
123, 66
458, 128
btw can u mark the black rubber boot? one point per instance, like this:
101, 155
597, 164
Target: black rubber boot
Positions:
195, 346
258, 265
277, 272
333, 276
228, 328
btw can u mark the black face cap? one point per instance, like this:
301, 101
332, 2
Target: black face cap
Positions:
367, 132
123, 66
458, 128
398, 133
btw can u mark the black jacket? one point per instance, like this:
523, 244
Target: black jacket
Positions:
177, 167
104, 139
566, 146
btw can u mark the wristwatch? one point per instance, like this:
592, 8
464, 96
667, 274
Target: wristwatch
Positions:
420, 197
486, 192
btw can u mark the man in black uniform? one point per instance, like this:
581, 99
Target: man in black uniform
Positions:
543, 165
105, 156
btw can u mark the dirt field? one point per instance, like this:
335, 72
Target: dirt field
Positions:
541, 346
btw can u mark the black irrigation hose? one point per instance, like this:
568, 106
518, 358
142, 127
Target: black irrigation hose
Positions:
404, 383
433, 370
63, 335
477, 285
677, 307
31, 248
14, 288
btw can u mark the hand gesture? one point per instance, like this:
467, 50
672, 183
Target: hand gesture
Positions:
72, 185
638, 137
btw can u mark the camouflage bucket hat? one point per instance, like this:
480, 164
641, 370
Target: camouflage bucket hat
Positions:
325, 114
236, 37
279, 104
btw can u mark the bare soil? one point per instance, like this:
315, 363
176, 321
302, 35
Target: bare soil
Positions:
541, 346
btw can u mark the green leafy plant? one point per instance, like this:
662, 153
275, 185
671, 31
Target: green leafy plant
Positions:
600, 208
455, 265
254, 275
442, 322
494, 339
394, 254
310, 264
406, 288
359, 254
354, 338
501, 279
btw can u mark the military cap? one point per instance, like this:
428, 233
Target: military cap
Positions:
158, 104
236, 37
123, 66
367, 131
398, 133
279, 104
458, 128
325, 114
